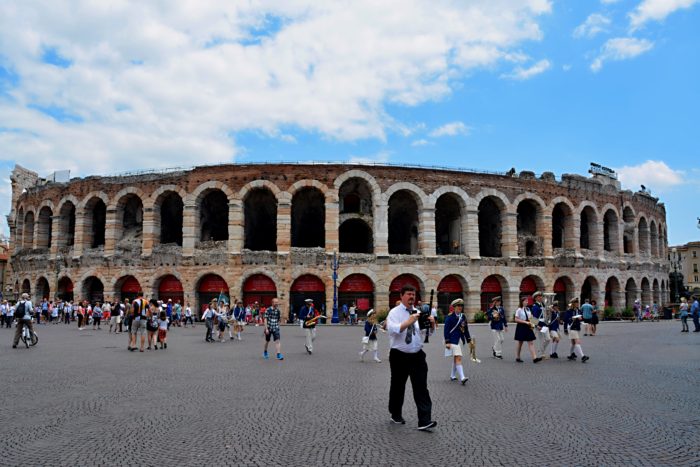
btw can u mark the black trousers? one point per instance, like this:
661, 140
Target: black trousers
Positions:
404, 365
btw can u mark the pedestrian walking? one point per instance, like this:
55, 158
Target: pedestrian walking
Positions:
684, 314
208, 317
23, 315
163, 330
188, 315
695, 313
496, 315
353, 313
407, 359
554, 329
271, 322
542, 335
524, 331
96, 316
238, 319
138, 319
456, 333
370, 341
152, 324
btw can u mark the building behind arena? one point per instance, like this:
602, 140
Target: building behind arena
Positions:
262, 230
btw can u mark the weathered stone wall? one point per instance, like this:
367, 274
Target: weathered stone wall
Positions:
143, 257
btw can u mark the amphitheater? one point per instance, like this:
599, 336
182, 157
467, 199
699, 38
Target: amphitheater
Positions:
257, 231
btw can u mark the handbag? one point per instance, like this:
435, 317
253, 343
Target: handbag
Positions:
365, 340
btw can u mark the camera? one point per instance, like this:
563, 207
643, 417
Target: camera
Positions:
424, 318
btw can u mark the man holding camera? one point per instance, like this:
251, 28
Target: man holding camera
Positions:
407, 359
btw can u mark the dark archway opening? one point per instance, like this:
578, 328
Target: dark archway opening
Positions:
403, 224
560, 216
448, 225
260, 212
45, 228
93, 290
527, 218
490, 228
171, 214
610, 238
43, 291
98, 217
65, 289
213, 217
67, 237
587, 219
308, 219
355, 197
28, 239
355, 237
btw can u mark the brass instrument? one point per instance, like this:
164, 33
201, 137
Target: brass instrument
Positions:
311, 321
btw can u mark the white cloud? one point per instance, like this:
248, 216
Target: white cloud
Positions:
594, 24
656, 10
608, 2
621, 48
655, 175
451, 129
421, 142
520, 73
156, 84
566, 67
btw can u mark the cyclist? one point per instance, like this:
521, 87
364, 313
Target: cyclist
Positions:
23, 315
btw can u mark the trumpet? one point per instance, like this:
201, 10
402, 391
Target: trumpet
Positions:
312, 321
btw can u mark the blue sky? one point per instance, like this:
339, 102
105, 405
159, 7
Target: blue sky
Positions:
485, 84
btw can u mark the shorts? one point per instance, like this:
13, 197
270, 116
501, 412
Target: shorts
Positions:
456, 350
138, 327
554, 334
222, 326
594, 320
272, 334
371, 345
161, 334
574, 334
114, 320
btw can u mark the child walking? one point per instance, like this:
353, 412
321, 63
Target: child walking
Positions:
163, 330
369, 342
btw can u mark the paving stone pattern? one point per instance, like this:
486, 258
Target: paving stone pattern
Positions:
80, 398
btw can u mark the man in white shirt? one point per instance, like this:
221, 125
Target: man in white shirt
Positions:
407, 358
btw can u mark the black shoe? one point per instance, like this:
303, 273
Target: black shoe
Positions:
427, 426
571, 357
499, 357
165, 345
494, 352
584, 358
464, 381
554, 355
453, 378
537, 360
398, 420
14, 346
518, 360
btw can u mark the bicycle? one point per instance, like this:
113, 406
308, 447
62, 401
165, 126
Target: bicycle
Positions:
29, 337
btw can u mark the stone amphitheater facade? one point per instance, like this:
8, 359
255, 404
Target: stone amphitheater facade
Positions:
261, 230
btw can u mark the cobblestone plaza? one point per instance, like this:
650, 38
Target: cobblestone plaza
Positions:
79, 398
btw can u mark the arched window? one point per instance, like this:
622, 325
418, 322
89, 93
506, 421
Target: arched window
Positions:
308, 218
490, 228
403, 224
213, 216
260, 214
355, 236
448, 225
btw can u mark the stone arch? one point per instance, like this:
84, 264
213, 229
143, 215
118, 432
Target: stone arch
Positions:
529, 210
647, 296
44, 225
527, 196
328, 193
450, 220
404, 219
120, 283
266, 184
124, 192
93, 210
308, 228
385, 282
152, 200
168, 208
491, 212
355, 173
42, 290
260, 206
656, 291
614, 297
26, 287
355, 236
460, 195
590, 289
589, 226
68, 199
92, 289
526, 290
211, 202
196, 196
65, 288
405, 277
19, 228
564, 290
418, 194
562, 212
296, 298
28, 234
611, 229
255, 271
128, 204
629, 231
488, 292
67, 212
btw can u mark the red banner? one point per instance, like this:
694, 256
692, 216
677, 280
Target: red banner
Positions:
213, 283
450, 284
131, 285
528, 285
308, 283
356, 283
259, 283
491, 285
403, 279
170, 284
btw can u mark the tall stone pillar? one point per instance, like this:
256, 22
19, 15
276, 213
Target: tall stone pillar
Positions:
55, 234
470, 234
381, 230
618, 299
189, 234
472, 302
236, 234
511, 299
573, 238
149, 232
332, 225
284, 226
545, 231
79, 246
426, 233
111, 232
509, 240
620, 238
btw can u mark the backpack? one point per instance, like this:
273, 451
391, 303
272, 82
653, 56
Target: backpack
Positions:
21, 310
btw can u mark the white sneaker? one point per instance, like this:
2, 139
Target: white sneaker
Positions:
377, 360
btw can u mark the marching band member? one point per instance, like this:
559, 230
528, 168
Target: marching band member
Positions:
524, 332
456, 333
499, 325
542, 334
369, 342
307, 315
554, 329
574, 319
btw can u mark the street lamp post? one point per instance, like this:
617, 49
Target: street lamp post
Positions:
334, 264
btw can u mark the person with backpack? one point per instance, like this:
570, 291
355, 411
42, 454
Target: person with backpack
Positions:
96, 316
139, 319
23, 315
